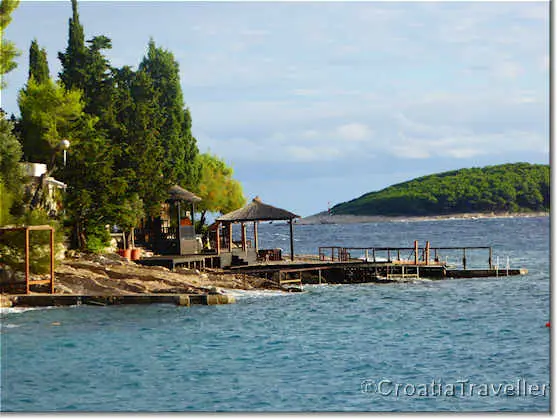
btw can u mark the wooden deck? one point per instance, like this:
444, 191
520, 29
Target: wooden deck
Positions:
194, 261
49, 300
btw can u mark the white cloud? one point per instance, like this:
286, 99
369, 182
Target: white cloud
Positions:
354, 132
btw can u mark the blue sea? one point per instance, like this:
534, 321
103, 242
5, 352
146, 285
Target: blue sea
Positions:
453, 345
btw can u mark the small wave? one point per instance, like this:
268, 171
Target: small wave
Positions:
10, 325
17, 310
254, 293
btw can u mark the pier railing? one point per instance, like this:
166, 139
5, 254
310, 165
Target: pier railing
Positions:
452, 257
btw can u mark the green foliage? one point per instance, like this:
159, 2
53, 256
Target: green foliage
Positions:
130, 136
178, 143
49, 114
141, 147
12, 243
95, 192
6, 202
38, 64
73, 74
11, 175
503, 188
8, 51
218, 191
98, 238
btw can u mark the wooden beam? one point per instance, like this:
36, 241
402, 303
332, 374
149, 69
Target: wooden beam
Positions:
218, 238
52, 261
192, 217
291, 240
178, 234
243, 226
27, 260
255, 237
230, 236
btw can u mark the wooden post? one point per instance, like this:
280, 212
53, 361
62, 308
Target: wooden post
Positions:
490, 260
464, 257
319, 271
230, 237
291, 241
415, 252
193, 218
427, 252
52, 261
398, 254
178, 235
244, 247
218, 238
255, 237
27, 260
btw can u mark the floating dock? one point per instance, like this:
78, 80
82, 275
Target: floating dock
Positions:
48, 300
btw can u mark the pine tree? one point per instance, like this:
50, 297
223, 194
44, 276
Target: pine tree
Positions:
48, 115
139, 122
38, 64
99, 84
180, 146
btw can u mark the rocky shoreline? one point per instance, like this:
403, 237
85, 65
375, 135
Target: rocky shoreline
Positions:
324, 218
112, 275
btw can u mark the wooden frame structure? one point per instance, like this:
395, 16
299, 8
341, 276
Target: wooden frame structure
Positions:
27, 229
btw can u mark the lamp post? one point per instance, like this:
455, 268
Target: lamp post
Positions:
64, 145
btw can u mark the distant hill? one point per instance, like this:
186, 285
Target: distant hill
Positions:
517, 187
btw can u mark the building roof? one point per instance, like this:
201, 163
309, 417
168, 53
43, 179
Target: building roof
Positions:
258, 211
177, 193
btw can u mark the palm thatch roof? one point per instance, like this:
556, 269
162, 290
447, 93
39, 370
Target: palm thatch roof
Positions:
177, 193
257, 211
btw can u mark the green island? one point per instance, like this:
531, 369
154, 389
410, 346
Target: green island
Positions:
509, 188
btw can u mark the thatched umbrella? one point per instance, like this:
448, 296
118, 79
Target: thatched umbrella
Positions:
256, 211
177, 193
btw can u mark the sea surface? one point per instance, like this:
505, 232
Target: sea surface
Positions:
425, 346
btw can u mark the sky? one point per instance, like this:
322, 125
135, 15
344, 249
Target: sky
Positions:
314, 103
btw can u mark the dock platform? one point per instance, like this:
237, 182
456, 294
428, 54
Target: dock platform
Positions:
58, 300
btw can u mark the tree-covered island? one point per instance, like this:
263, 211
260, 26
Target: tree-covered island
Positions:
517, 187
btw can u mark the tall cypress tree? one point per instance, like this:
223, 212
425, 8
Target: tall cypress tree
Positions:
179, 145
73, 74
99, 82
38, 64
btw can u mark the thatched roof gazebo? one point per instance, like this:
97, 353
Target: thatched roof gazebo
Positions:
177, 193
255, 212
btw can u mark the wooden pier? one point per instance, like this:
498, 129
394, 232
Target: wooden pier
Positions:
338, 265
48, 300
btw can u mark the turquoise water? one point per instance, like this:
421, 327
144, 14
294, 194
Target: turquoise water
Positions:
303, 352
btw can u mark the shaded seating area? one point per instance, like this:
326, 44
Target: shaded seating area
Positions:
173, 232
255, 212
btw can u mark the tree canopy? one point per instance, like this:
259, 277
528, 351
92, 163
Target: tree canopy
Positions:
38, 64
514, 187
8, 51
130, 135
218, 191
